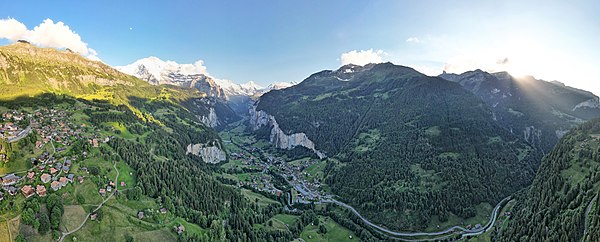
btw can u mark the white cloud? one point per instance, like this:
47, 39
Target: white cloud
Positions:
362, 57
47, 34
413, 40
190, 69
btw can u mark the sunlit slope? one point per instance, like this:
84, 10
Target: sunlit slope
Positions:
27, 70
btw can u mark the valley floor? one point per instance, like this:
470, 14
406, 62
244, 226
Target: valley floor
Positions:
254, 163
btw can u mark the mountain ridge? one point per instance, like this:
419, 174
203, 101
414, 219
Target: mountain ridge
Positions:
540, 111
156, 72
388, 125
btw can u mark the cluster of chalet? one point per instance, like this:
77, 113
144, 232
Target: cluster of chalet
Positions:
55, 125
298, 173
8, 185
109, 187
262, 183
258, 182
37, 180
8, 127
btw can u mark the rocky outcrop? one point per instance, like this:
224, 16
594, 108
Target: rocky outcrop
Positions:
533, 136
209, 154
211, 120
590, 103
278, 138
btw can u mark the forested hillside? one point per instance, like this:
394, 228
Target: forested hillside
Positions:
540, 112
411, 147
563, 202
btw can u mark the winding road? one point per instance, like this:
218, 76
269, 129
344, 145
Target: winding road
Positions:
587, 217
445, 233
468, 232
96, 209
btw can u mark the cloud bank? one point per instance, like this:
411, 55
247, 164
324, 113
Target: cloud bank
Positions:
362, 57
46, 34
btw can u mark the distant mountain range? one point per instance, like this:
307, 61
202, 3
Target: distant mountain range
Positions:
156, 72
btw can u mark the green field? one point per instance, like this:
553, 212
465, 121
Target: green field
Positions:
15, 166
4, 234
127, 175
73, 217
115, 226
262, 200
189, 227
89, 191
286, 219
123, 132
335, 232
315, 171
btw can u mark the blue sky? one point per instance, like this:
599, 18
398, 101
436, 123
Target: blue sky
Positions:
273, 41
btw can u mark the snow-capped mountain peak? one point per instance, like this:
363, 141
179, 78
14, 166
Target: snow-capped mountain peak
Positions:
156, 71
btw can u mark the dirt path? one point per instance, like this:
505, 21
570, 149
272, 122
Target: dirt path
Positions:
97, 208
7, 227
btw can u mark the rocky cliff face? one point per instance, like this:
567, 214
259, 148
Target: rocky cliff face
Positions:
593, 103
211, 120
278, 138
209, 154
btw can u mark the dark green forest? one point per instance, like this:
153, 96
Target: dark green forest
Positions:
412, 146
564, 193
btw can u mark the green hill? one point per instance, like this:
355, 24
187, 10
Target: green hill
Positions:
115, 124
28, 71
412, 147
564, 196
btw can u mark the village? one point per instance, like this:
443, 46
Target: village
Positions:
51, 169
54, 165
305, 189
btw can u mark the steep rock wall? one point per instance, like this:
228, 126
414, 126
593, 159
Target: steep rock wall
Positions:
211, 120
278, 137
209, 154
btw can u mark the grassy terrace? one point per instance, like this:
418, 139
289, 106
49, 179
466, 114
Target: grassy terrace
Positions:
335, 232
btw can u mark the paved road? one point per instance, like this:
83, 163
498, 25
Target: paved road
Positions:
467, 232
97, 208
464, 231
21, 135
587, 214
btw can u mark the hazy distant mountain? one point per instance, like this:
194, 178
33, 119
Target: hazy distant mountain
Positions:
539, 111
406, 146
